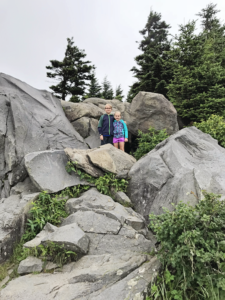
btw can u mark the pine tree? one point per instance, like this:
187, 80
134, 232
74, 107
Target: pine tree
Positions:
72, 73
119, 93
151, 73
107, 91
212, 28
198, 87
94, 90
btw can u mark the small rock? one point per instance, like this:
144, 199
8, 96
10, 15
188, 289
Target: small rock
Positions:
29, 265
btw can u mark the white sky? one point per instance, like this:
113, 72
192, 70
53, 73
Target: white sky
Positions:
32, 32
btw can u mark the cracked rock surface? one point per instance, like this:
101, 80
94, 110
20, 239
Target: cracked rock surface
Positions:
30, 120
116, 266
188, 161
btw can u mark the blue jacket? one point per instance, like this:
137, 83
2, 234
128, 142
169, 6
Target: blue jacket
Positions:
105, 125
124, 131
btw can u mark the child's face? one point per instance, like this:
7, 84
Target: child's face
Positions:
108, 110
117, 117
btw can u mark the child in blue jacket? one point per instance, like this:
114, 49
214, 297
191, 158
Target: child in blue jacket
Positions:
105, 126
120, 131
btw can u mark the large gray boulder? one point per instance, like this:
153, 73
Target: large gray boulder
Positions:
106, 158
188, 161
150, 109
13, 215
92, 277
47, 171
30, 120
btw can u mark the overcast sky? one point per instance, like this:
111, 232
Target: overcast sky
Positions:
32, 32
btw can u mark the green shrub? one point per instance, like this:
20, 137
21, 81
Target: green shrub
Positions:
192, 250
215, 126
148, 141
103, 183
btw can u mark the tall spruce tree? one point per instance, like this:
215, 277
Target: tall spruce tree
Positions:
119, 93
151, 73
198, 86
72, 72
94, 90
107, 91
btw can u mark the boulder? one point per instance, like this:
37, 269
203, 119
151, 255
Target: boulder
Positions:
188, 161
24, 188
150, 109
75, 111
70, 236
82, 126
13, 215
92, 200
110, 159
29, 265
89, 278
122, 198
80, 157
30, 120
47, 171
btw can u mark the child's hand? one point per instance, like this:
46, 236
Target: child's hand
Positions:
126, 140
101, 137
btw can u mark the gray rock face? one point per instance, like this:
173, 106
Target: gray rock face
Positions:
122, 198
150, 109
75, 111
70, 236
146, 109
30, 120
13, 213
29, 265
47, 171
92, 200
91, 277
188, 161
24, 188
105, 158
80, 157
113, 160
114, 262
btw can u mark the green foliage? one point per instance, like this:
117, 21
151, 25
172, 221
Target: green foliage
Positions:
198, 86
215, 126
152, 74
94, 90
72, 72
104, 184
119, 93
148, 141
107, 91
46, 209
192, 250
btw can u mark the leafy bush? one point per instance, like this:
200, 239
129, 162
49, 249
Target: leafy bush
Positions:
192, 250
148, 141
103, 183
215, 126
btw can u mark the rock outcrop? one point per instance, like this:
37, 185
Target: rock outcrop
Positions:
188, 161
30, 120
146, 109
106, 158
116, 263
13, 215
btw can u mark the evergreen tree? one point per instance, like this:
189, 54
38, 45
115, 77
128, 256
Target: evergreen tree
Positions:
72, 73
213, 29
107, 91
94, 90
151, 73
198, 87
119, 93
